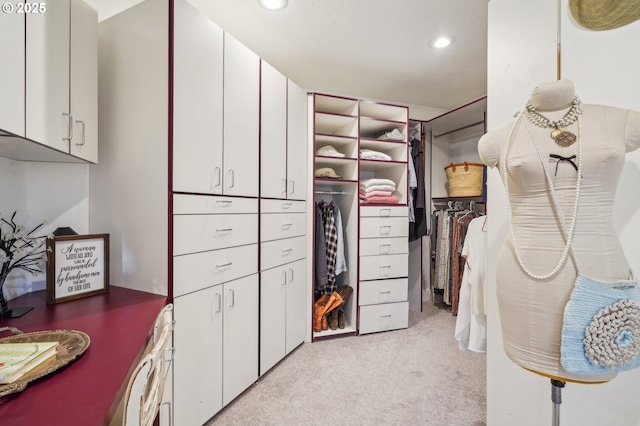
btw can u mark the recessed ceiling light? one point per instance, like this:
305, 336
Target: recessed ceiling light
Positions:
441, 42
273, 4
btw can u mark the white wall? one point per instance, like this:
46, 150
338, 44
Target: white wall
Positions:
54, 193
522, 53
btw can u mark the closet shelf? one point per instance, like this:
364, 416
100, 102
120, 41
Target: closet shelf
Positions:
328, 160
375, 165
335, 105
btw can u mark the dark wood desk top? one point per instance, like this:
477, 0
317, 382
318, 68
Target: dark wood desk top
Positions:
87, 391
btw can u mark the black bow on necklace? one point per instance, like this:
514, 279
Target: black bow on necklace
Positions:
561, 158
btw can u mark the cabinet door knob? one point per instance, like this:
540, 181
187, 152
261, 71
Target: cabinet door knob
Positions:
219, 299
81, 123
70, 127
232, 298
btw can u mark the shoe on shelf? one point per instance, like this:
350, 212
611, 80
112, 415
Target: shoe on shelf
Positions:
342, 318
333, 319
318, 311
332, 300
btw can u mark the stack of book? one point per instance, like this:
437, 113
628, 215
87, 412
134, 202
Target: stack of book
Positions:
17, 359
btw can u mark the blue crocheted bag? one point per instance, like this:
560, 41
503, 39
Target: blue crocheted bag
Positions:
601, 327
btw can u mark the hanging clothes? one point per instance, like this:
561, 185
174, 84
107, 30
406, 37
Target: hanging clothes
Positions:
418, 228
330, 259
471, 323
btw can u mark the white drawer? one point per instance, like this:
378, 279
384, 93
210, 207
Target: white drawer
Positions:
202, 232
382, 267
378, 246
275, 226
374, 227
192, 272
383, 291
193, 204
388, 316
282, 206
279, 252
379, 211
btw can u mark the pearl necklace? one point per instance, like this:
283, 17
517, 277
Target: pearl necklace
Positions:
568, 233
562, 138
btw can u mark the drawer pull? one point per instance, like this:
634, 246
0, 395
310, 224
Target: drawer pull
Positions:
225, 203
224, 266
385, 292
285, 206
385, 229
385, 212
224, 230
385, 316
385, 270
286, 252
286, 226
384, 249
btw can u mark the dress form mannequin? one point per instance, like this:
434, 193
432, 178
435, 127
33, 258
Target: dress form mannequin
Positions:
531, 310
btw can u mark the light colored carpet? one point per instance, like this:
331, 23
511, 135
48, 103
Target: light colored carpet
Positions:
415, 376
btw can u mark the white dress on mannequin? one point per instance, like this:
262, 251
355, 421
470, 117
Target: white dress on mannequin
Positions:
531, 310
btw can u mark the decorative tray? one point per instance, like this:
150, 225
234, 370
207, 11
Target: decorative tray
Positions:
72, 344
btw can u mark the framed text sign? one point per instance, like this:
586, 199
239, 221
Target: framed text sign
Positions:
77, 266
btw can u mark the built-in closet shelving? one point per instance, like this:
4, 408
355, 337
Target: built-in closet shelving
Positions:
375, 234
336, 124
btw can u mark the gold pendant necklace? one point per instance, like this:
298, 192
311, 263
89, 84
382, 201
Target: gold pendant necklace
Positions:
563, 138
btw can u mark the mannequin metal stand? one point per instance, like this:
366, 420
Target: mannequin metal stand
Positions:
556, 399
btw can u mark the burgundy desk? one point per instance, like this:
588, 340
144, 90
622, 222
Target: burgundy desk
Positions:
87, 391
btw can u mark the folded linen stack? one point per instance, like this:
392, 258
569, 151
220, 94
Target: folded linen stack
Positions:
376, 190
368, 154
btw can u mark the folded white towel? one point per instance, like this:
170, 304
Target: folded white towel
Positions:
378, 188
369, 154
366, 183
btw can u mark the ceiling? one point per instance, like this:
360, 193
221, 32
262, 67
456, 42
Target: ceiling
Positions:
370, 49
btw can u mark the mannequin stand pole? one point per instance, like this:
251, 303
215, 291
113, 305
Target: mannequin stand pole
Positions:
556, 399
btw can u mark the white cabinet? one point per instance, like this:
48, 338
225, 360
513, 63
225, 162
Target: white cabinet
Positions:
61, 78
216, 335
283, 136
297, 137
12, 76
282, 313
241, 119
283, 280
197, 102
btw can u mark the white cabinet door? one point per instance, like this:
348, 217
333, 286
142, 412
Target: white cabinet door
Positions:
12, 77
197, 102
273, 297
240, 337
296, 303
296, 142
241, 119
273, 133
48, 118
197, 362
84, 80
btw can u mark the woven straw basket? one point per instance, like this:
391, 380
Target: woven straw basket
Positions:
465, 179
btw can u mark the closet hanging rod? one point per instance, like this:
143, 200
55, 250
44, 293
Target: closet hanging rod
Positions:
318, 191
460, 128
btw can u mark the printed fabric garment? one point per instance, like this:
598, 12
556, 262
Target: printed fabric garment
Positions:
460, 226
341, 261
369, 154
413, 185
321, 280
331, 242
